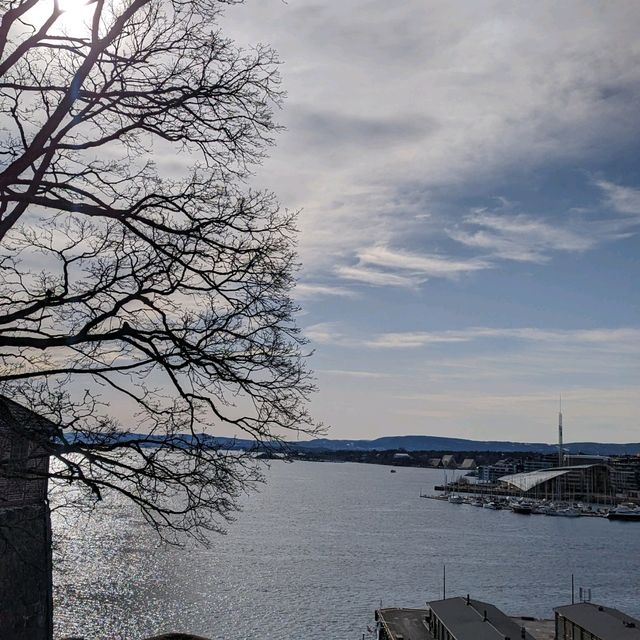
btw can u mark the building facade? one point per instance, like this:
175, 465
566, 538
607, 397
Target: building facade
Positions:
25, 530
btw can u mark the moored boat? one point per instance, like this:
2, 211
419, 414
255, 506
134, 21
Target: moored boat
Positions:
568, 512
625, 512
521, 507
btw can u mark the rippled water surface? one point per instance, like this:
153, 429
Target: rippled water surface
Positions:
317, 550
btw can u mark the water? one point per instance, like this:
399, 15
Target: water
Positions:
317, 550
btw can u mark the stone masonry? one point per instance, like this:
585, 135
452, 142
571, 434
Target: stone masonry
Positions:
25, 530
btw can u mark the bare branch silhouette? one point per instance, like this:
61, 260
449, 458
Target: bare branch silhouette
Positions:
144, 288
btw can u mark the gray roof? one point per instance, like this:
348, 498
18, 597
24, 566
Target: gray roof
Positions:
408, 623
604, 622
467, 621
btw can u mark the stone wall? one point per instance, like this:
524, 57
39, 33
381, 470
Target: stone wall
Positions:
25, 525
25, 573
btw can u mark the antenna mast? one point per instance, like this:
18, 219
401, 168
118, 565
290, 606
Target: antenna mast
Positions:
560, 461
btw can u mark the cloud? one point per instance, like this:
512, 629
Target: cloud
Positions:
519, 237
309, 291
389, 100
426, 265
355, 374
580, 403
324, 333
619, 339
412, 339
381, 266
621, 199
377, 278
341, 136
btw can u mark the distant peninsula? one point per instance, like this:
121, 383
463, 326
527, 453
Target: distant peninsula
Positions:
386, 443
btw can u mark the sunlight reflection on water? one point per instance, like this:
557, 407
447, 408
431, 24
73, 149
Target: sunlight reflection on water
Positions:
318, 549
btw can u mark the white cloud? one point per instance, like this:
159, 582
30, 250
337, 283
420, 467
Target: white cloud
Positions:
412, 339
388, 99
370, 276
427, 265
378, 265
625, 339
309, 291
621, 199
519, 237
621, 339
354, 374
623, 336
324, 333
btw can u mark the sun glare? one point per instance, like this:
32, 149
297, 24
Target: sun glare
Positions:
75, 18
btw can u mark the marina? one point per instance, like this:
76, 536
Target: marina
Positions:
624, 512
570, 486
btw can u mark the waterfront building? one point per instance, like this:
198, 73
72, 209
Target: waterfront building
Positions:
588, 482
492, 472
468, 464
449, 619
449, 461
588, 621
572, 459
625, 476
540, 462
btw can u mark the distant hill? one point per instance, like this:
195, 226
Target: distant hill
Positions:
408, 443
437, 443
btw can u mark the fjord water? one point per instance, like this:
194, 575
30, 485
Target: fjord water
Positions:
319, 548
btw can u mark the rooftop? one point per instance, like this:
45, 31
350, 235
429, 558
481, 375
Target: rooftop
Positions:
469, 619
405, 623
531, 479
604, 622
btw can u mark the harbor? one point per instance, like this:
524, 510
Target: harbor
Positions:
570, 486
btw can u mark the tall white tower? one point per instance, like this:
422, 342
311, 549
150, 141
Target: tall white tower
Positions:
560, 452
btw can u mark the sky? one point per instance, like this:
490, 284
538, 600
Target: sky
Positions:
468, 180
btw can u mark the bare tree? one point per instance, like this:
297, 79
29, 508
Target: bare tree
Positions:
143, 286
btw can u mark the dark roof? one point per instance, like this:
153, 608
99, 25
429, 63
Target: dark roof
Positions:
17, 416
19, 410
467, 621
408, 623
604, 622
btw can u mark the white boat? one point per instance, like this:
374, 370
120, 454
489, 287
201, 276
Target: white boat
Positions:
455, 499
491, 505
568, 512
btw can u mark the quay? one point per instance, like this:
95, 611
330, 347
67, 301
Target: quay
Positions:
626, 511
503, 491
461, 618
